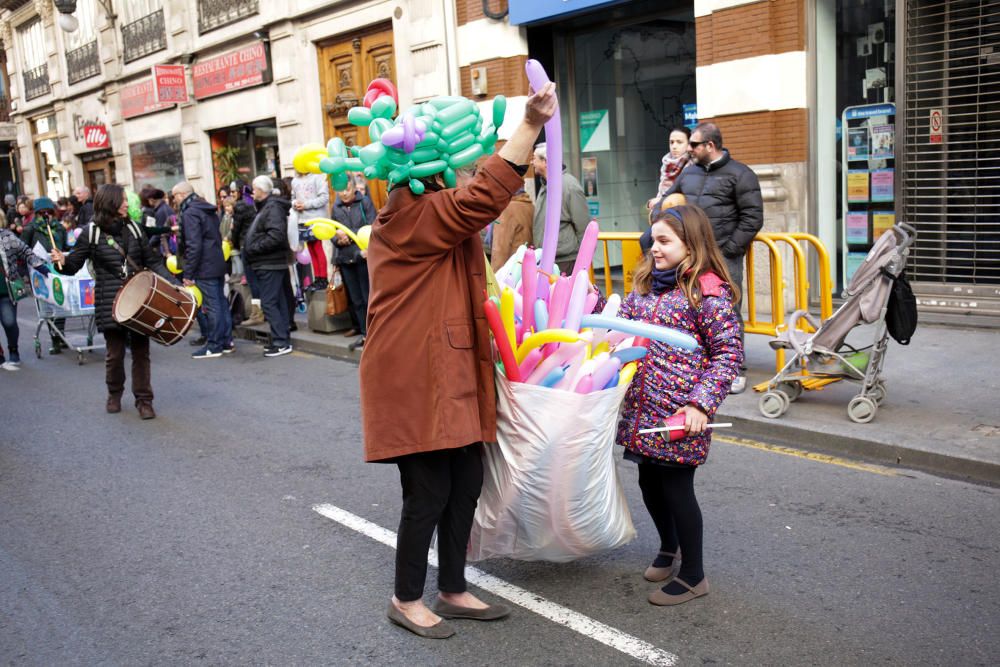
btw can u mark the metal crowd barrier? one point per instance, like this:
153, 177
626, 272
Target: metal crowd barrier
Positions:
632, 253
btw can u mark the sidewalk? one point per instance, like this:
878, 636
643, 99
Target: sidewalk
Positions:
942, 413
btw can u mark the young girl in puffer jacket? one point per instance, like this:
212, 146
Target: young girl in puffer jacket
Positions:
683, 284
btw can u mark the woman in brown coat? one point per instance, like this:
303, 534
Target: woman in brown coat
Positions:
427, 396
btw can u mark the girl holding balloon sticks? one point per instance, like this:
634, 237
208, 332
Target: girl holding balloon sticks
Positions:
682, 283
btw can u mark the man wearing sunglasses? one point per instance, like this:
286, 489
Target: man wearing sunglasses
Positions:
729, 193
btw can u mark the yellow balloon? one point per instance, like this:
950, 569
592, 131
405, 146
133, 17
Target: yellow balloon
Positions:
507, 315
323, 232
227, 249
364, 235
318, 223
628, 372
195, 292
545, 336
306, 159
172, 264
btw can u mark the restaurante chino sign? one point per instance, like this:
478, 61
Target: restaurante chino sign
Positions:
140, 98
231, 71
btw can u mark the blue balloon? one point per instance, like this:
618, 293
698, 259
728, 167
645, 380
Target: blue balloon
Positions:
541, 315
644, 329
630, 354
554, 376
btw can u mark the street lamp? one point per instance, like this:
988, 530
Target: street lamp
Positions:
66, 19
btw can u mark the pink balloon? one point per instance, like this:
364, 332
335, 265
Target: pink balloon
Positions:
302, 256
563, 354
558, 302
529, 272
531, 361
585, 384
77, 232
587, 247
574, 310
553, 150
589, 303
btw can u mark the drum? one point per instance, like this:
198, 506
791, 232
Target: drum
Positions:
150, 305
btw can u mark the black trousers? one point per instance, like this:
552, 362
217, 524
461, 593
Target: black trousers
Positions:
440, 490
116, 340
274, 302
356, 282
668, 493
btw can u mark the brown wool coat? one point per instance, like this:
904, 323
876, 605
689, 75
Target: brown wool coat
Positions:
513, 229
427, 369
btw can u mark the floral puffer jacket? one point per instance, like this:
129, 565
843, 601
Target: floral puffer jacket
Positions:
670, 378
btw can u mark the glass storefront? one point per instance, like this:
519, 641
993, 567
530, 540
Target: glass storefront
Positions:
159, 163
245, 152
625, 85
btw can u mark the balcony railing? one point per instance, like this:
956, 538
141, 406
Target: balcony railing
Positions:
83, 63
144, 36
36, 82
214, 14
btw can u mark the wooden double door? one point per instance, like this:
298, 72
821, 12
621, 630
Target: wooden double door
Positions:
347, 65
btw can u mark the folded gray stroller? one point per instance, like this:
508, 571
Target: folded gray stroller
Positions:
823, 356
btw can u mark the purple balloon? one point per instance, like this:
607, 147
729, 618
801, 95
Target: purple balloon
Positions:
553, 153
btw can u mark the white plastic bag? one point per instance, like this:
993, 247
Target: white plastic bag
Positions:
551, 489
293, 231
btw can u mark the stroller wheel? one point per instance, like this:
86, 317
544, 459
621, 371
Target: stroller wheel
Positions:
862, 409
877, 393
773, 404
792, 390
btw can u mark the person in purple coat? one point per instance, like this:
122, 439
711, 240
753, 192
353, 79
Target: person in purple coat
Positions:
684, 284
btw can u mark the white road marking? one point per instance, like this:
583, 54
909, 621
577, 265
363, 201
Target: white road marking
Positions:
616, 639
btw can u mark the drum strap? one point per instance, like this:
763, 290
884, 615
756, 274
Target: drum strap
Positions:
95, 234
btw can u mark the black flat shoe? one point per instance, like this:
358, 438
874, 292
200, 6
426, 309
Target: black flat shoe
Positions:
492, 613
439, 630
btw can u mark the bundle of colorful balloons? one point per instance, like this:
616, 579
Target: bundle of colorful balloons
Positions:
545, 331
437, 137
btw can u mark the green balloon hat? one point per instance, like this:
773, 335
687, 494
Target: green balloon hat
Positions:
436, 137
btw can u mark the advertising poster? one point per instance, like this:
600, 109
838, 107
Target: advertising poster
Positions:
854, 260
595, 131
857, 143
882, 182
883, 142
857, 228
74, 294
857, 186
882, 221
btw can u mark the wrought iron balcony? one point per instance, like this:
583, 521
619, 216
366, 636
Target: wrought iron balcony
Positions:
83, 63
214, 14
144, 36
36, 82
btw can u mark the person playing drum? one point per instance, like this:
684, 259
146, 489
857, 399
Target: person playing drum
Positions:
117, 248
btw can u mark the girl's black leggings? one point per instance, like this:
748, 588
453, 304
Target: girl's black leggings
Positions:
668, 493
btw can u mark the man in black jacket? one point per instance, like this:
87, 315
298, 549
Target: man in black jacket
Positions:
265, 251
729, 193
86, 214
205, 267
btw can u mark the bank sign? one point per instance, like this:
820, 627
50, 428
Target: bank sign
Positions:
531, 11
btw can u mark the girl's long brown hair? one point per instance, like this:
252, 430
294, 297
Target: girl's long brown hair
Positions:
693, 228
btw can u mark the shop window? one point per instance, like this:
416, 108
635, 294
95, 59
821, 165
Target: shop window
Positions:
53, 178
159, 163
245, 152
627, 86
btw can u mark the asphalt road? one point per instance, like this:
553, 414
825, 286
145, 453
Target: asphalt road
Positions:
192, 539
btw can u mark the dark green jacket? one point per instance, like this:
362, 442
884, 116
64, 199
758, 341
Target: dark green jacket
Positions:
37, 232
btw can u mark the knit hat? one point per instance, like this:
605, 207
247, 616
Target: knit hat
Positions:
43, 204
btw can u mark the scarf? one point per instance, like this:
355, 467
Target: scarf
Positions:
664, 280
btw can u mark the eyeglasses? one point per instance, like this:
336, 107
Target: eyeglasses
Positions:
695, 144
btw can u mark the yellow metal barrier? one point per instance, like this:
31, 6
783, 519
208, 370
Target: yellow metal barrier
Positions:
632, 253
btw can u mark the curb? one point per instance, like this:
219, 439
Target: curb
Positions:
873, 451
882, 453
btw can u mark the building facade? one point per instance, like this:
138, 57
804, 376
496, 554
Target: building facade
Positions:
805, 91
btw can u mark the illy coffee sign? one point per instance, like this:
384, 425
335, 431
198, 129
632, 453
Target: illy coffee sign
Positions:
95, 136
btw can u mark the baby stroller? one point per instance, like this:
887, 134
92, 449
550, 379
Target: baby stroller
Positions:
823, 354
